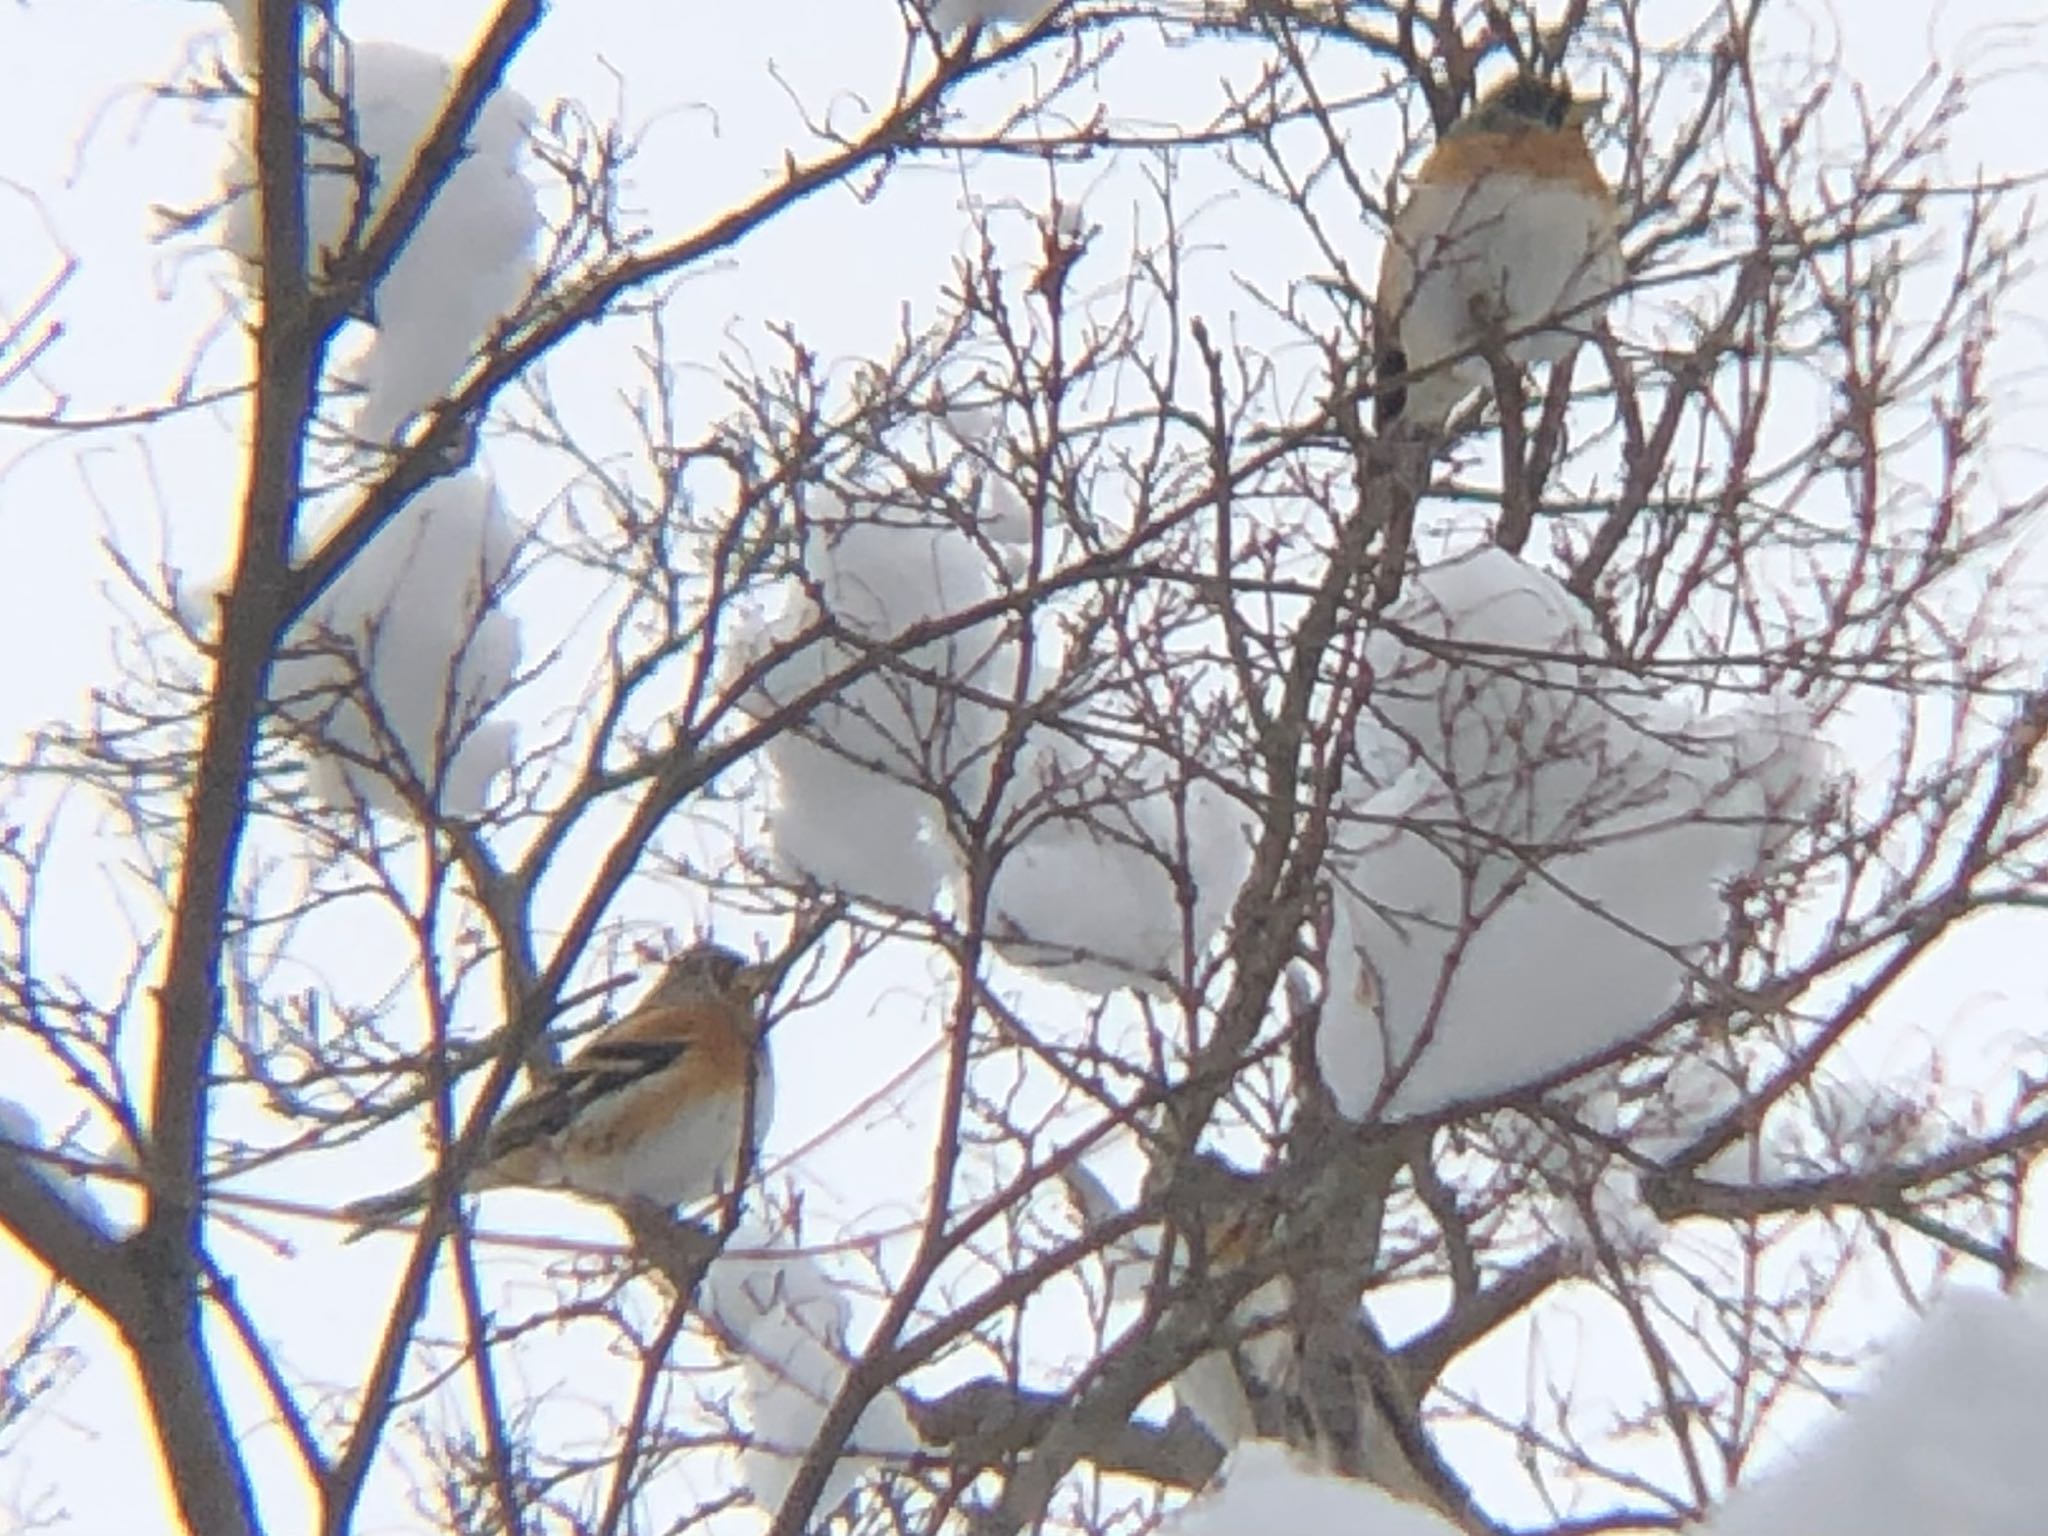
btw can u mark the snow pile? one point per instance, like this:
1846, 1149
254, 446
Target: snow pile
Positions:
1948, 1443
20, 1128
862, 777
1948, 1440
469, 260
786, 1322
904, 738
1658, 1107
954, 16
1543, 851
1265, 1488
1086, 891
388, 680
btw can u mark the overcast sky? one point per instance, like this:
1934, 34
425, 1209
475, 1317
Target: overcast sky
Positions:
714, 88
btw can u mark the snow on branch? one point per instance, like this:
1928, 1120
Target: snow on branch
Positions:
20, 1129
1100, 850
862, 777
1542, 856
1088, 889
1265, 1487
786, 1321
469, 261
951, 17
389, 678
1949, 1438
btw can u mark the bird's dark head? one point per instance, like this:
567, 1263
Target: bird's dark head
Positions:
712, 970
1524, 101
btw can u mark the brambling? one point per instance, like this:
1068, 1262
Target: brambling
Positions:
1224, 1388
1509, 234
649, 1113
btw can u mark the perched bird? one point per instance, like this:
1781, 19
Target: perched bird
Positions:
1279, 1371
1508, 227
650, 1112
1224, 1389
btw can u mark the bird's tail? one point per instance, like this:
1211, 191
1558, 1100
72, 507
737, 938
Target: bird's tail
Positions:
380, 1211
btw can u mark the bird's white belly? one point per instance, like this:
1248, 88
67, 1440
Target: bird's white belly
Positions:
676, 1161
1508, 250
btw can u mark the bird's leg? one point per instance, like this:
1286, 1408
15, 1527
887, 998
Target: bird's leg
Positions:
681, 1249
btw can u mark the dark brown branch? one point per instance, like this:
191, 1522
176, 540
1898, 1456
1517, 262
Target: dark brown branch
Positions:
164, 1330
986, 1421
78, 1253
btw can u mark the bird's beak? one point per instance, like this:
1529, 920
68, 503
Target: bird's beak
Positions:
1584, 110
756, 981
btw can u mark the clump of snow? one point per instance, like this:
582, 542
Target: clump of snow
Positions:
1541, 854
1086, 892
927, 715
955, 16
1693, 1092
469, 260
20, 1128
1608, 1217
853, 830
1005, 518
874, 779
1002, 516
1654, 1106
389, 678
785, 1320
860, 774
1948, 1439
1265, 1488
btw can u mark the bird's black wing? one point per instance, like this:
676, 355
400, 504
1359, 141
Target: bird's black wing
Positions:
603, 1068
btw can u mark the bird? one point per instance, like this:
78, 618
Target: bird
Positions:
1507, 226
1224, 1230
649, 1113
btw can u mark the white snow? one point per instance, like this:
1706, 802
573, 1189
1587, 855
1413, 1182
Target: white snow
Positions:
1948, 1440
785, 1320
469, 260
1542, 849
1087, 894
911, 718
855, 786
1657, 1105
19, 1126
954, 16
1610, 1217
391, 676
1265, 1489
853, 830
1085, 889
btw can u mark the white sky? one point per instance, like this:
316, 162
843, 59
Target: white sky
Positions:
85, 155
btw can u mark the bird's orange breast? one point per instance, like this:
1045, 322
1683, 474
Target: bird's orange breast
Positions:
1560, 155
